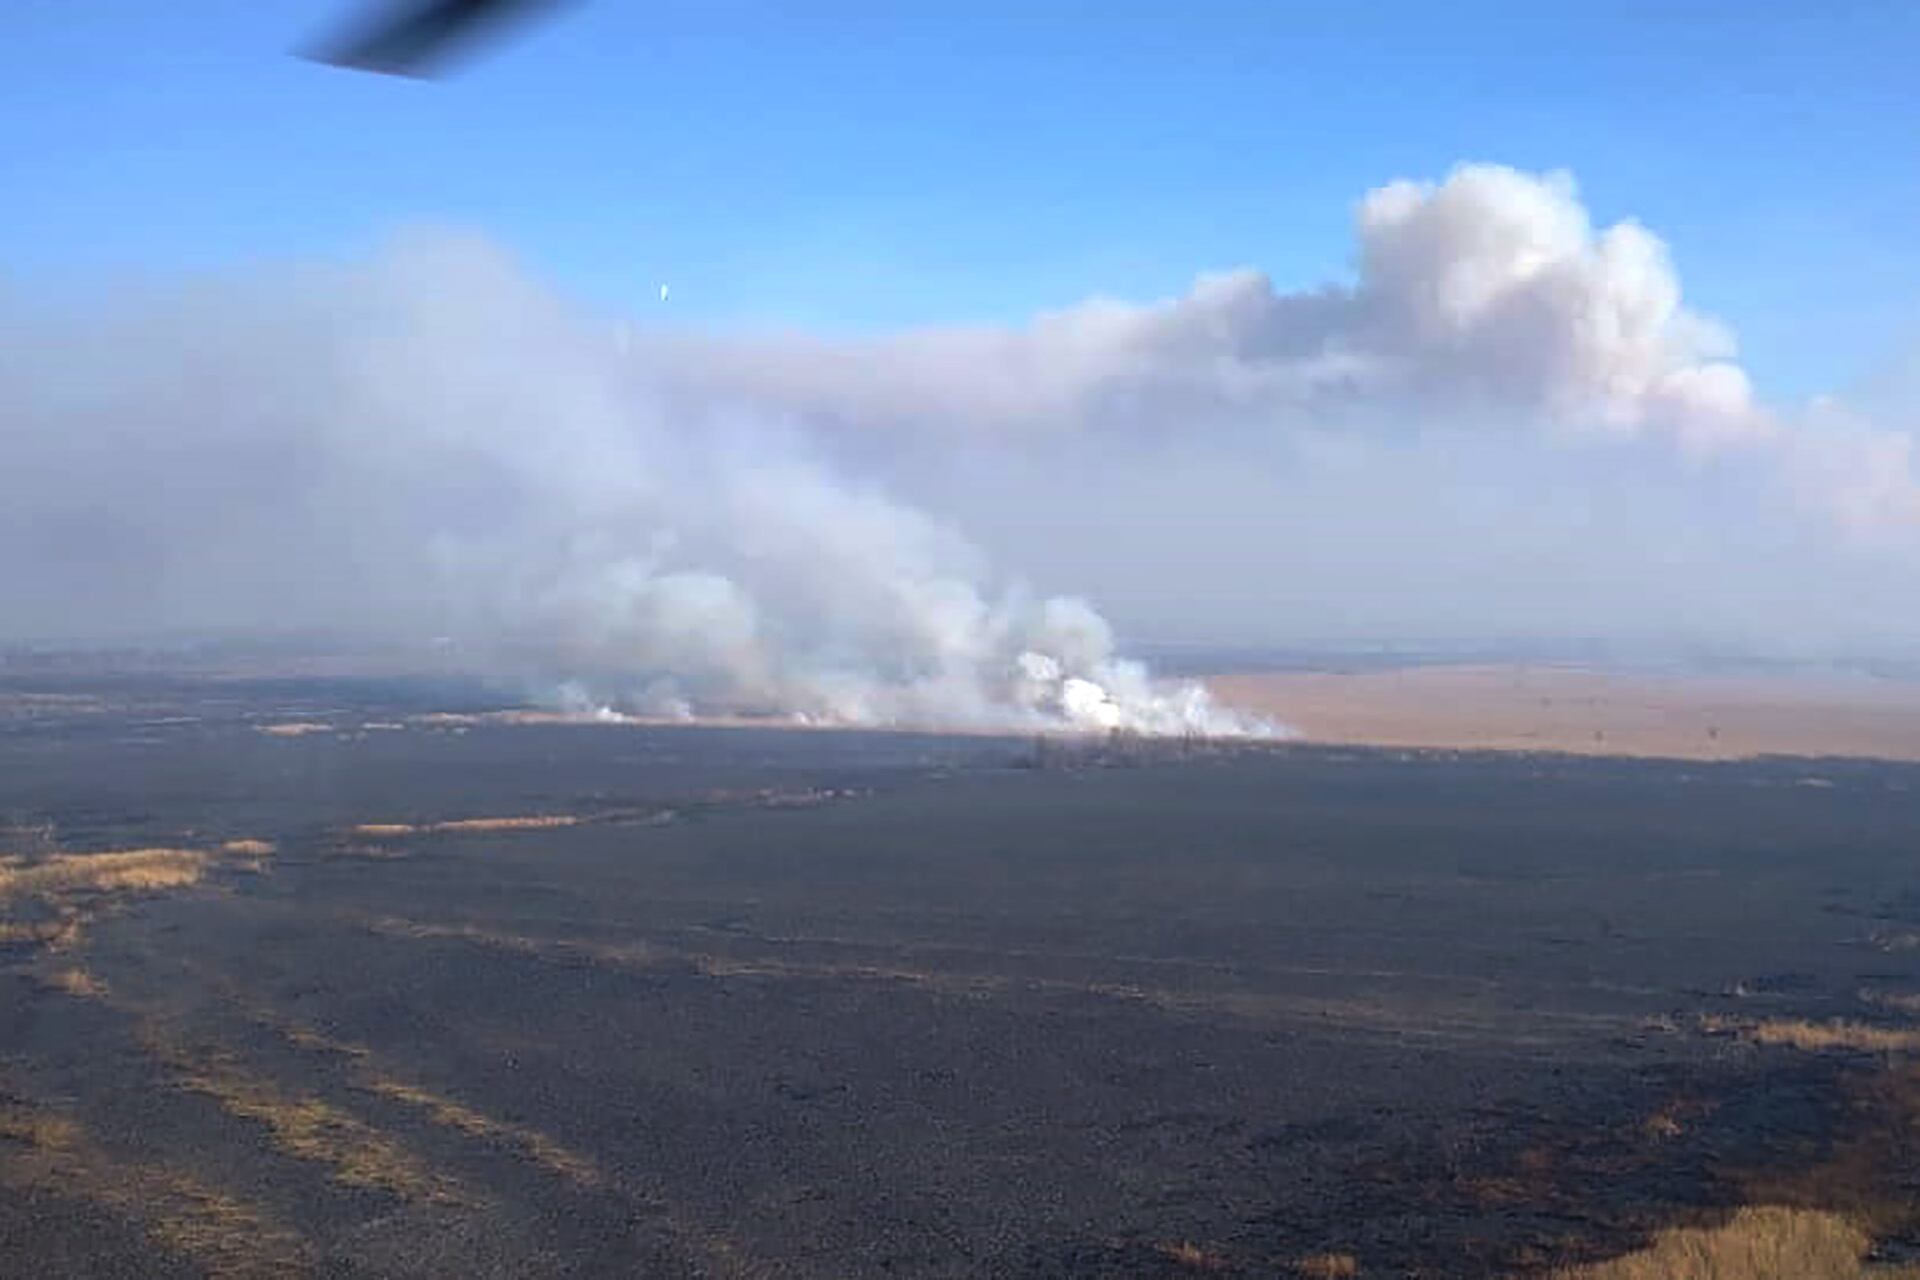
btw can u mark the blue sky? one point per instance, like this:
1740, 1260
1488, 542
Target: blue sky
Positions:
861, 166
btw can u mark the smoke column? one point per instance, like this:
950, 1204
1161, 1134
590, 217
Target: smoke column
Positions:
1488, 299
427, 443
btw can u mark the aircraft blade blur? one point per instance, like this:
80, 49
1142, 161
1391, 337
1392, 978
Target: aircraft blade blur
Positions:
415, 37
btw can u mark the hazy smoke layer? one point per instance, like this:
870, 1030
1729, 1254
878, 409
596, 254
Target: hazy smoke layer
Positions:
1488, 300
428, 444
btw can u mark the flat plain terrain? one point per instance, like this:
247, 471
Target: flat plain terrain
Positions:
303, 978
1591, 712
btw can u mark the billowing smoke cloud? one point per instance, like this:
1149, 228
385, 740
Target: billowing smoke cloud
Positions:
1487, 299
427, 443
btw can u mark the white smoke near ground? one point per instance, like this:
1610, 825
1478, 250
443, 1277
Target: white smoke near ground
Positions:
428, 443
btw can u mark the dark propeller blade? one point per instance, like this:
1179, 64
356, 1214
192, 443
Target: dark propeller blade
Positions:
413, 37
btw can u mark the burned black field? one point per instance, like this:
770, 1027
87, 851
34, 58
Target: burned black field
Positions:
300, 979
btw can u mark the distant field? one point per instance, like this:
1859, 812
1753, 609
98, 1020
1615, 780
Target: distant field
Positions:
1544, 708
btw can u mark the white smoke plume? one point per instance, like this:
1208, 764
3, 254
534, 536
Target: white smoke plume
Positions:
427, 443
1488, 299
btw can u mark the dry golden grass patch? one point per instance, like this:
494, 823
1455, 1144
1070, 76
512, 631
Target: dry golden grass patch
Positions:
650, 958
1766, 1242
440, 1110
44, 932
64, 935
636, 957
1815, 1036
35, 1129
645, 958
1674, 1117
47, 900
1815, 1223
1190, 1256
307, 1127
77, 983
139, 869
531, 1143
1328, 1266
231, 1239
536, 822
318, 1042
1837, 1035
720, 1256
1662, 1125
292, 728
226, 1238
396, 927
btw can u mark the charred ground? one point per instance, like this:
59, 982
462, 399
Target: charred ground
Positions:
441, 995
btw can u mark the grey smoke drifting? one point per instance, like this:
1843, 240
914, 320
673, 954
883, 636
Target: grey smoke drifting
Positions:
428, 443
1487, 299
